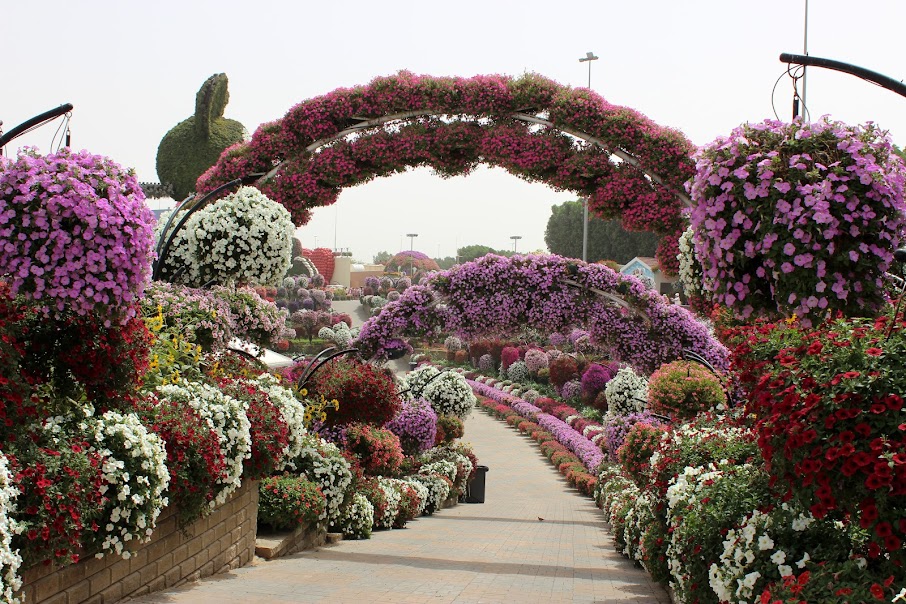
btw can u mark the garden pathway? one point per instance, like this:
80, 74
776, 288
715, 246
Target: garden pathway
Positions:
497, 552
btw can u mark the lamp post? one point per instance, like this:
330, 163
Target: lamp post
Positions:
588, 58
411, 237
515, 238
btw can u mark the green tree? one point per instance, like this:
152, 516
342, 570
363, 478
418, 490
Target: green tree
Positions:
606, 238
445, 262
471, 252
382, 257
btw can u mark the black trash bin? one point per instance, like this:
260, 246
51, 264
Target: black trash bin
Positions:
475, 488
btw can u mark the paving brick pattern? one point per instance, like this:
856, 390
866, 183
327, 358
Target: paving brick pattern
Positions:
494, 552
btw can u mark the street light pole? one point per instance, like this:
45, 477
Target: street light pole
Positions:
411, 237
515, 238
588, 58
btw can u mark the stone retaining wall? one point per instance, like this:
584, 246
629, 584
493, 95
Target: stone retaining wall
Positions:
222, 541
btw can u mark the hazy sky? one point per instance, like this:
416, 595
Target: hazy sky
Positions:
703, 66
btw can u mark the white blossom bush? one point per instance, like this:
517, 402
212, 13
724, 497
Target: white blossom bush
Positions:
323, 463
690, 269
393, 497
242, 238
626, 393
340, 335
452, 344
10, 560
518, 371
356, 519
442, 467
135, 479
228, 418
450, 394
418, 378
293, 412
438, 490
179, 266
766, 547
422, 491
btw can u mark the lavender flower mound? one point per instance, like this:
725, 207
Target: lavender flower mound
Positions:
571, 389
83, 235
486, 362
556, 339
617, 427
584, 449
526, 409
416, 426
531, 291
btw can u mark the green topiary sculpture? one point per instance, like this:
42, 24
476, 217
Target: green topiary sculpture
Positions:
194, 145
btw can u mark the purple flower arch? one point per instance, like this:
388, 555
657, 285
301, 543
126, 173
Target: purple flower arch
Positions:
569, 139
630, 322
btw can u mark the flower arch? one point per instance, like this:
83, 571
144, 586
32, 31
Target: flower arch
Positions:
632, 323
570, 139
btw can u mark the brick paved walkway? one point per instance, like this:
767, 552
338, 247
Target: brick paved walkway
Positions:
496, 552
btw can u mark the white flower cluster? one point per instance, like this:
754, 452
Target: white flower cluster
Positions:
416, 379
442, 467
394, 498
135, 479
179, 258
438, 490
322, 463
293, 412
420, 489
751, 558
452, 344
340, 334
450, 394
639, 520
517, 371
626, 393
690, 269
10, 560
242, 238
229, 420
357, 518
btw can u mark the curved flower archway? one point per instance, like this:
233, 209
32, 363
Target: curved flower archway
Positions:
570, 139
630, 322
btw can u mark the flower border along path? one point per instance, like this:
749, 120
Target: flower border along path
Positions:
494, 552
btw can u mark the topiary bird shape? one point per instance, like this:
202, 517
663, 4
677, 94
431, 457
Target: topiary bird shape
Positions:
195, 144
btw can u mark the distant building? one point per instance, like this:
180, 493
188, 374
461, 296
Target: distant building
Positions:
646, 269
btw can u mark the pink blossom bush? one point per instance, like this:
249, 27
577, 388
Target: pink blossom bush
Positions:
308, 179
77, 233
535, 360
798, 218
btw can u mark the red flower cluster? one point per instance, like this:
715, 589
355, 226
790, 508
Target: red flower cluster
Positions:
365, 393
60, 498
377, 449
270, 435
830, 407
194, 458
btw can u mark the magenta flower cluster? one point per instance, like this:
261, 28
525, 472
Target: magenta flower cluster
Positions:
798, 218
495, 294
306, 180
75, 232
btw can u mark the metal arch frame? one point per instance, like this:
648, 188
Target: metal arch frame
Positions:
517, 115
